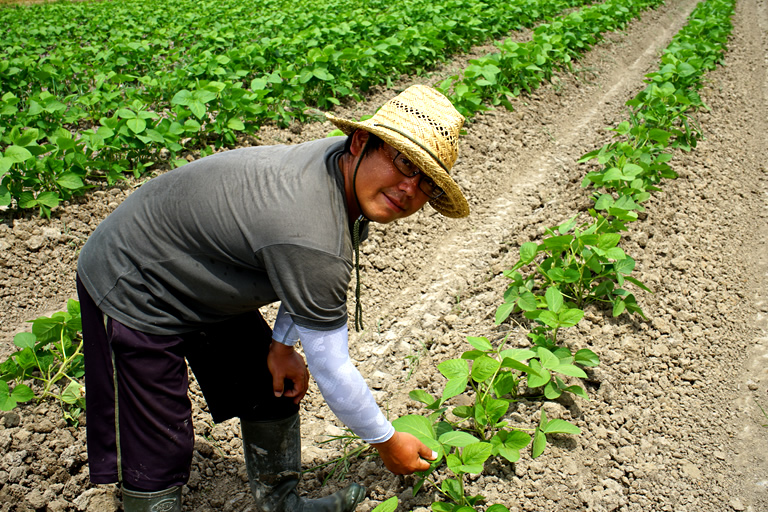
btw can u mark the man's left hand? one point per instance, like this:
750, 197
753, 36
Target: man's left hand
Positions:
285, 364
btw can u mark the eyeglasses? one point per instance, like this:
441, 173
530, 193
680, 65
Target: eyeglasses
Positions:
409, 169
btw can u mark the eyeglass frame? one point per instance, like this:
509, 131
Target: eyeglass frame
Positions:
426, 180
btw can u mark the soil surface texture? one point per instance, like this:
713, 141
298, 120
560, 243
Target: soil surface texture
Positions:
673, 422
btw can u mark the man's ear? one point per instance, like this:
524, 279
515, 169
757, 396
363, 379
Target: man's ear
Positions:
359, 138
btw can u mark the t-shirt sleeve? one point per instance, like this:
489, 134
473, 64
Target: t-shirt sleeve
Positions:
311, 284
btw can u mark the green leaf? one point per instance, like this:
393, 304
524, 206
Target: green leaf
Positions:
608, 240
455, 387
25, 340
475, 455
518, 354
496, 409
538, 376
421, 396
515, 439
463, 411
5, 165
124, 113
618, 307
22, 393
505, 383
26, 359
631, 170
6, 402
480, 343
615, 253
586, 357
420, 427
554, 299
70, 181
458, 438
527, 301
204, 95
47, 329
497, 507
453, 462
184, 97
197, 108
27, 200
235, 124
454, 369
49, 199
624, 266
503, 312
638, 284
528, 251
548, 359
322, 74
389, 505
484, 367
577, 390
549, 318
558, 242
552, 391
604, 202
439, 506
567, 226
570, 317
539, 443
509, 362
569, 369
558, 426
136, 125
17, 154
452, 487
65, 143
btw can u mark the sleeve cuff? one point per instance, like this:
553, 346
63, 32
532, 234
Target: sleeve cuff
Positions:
285, 330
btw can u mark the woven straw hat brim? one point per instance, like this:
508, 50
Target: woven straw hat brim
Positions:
452, 203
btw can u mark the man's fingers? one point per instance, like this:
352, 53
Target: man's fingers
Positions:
278, 386
426, 453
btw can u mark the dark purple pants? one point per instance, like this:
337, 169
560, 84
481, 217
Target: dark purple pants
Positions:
138, 414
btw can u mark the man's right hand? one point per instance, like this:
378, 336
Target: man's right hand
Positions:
404, 454
286, 364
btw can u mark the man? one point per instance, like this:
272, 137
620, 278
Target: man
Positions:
177, 273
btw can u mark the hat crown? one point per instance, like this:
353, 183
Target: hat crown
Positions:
428, 118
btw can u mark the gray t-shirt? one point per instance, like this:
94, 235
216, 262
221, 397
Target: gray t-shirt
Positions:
224, 235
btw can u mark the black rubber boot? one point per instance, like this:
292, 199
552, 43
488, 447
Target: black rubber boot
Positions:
272, 453
168, 500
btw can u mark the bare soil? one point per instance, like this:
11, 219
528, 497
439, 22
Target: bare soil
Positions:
673, 423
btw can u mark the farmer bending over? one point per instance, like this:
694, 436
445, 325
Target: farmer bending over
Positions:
179, 271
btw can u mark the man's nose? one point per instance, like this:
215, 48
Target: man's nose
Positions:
410, 184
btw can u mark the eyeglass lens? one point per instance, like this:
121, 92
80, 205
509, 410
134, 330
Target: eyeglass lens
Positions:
409, 169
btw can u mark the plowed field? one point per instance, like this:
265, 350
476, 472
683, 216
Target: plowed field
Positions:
673, 423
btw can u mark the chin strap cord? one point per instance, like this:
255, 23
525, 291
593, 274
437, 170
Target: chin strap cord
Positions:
356, 245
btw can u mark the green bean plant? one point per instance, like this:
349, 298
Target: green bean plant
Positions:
575, 265
466, 436
50, 357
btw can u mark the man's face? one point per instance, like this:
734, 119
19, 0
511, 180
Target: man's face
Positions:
385, 194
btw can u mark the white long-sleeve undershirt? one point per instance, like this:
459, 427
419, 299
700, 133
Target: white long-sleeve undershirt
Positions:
341, 384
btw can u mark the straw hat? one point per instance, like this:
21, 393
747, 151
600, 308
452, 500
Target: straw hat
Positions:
422, 124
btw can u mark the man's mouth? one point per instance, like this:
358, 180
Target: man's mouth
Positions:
397, 206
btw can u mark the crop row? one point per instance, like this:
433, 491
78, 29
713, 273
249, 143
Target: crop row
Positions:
137, 84
576, 263
524, 66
